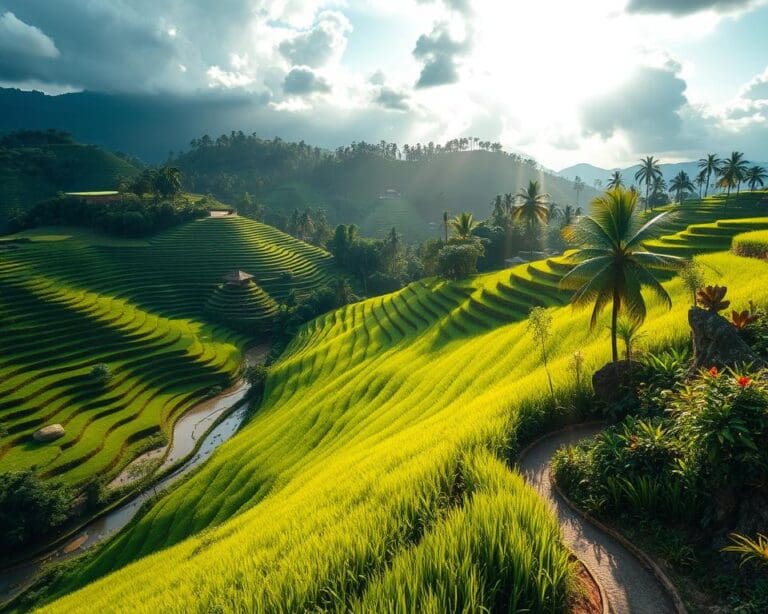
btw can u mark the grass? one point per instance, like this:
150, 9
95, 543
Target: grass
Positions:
752, 244
151, 310
371, 474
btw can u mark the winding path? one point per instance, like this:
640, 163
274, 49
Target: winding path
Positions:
629, 586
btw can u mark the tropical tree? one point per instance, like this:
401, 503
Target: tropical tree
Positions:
614, 265
463, 225
710, 165
578, 186
700, 180
167, 181
734, 168
532, 210
446, 224
615, 181
727, 181
554, 211
755, 176
628, 330
680, 184
392, 249
648, 172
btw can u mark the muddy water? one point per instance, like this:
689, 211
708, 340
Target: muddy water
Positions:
186, 433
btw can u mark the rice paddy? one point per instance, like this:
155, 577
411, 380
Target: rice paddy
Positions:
373, 476
151, 311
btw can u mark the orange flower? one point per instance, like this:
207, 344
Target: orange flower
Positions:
743, 381
713, 371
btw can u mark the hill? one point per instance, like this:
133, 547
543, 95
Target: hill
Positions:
152, 311
34, 168
372, 471
589, 173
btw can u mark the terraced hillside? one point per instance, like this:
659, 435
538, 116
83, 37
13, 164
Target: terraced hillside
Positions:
71, 300
364, 479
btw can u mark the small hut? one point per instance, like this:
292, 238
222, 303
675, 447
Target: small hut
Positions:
237, 278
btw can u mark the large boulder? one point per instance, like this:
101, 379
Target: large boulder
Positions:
48, 433
613, 382
716, 343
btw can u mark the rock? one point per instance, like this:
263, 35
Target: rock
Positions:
49, 433
716, 343
613, 381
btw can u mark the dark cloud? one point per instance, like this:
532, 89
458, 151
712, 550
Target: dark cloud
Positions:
647, 107
302, 81
393, 99
440, 52
686, 7
319, 44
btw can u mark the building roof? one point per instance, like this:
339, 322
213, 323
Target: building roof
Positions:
93, 194
237, 277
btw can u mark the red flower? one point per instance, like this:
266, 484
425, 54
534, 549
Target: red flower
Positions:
743, 381
713, 371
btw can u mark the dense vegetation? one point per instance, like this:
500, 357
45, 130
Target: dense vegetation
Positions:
37, 165
367, 420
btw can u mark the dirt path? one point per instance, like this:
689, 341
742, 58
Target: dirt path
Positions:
629, 586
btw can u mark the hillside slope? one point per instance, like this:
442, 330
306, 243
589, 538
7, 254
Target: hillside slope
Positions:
337, 495
149, 310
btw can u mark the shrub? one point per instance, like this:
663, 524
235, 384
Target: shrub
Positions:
752, 244
101, 374
256, 376
29, 508
458, 261
711, 298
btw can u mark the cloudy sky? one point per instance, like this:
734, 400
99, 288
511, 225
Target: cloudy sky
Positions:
603, 81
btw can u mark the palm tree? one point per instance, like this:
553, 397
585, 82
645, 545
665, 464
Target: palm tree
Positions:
680, 184
614, 265
734, 169
648, 172
628, 330
532, 210
710, 165
578, 186
463, 225
615, 181
445, 225
554, 211
392, 246
755, 176
700, 180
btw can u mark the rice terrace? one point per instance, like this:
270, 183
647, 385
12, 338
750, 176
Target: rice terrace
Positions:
296, 315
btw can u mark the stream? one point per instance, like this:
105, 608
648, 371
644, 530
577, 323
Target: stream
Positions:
193, 424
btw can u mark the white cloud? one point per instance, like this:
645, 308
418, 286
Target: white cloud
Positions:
19, 38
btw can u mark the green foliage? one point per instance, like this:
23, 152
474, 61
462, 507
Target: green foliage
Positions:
712, 298
101, 374
29, 508
458, 261
750, 550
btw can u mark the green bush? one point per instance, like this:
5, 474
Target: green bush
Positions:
751, 244
458, 261
29, 508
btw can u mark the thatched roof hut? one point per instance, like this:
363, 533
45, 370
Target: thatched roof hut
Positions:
237, 278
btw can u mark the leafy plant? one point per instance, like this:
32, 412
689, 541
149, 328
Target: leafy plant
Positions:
751, 550
711, 298
742, 319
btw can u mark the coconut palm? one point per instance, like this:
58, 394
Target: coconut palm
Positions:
680, 184
709, 165
554, 211
700, 180
734, 168
578, 186
614, 266
755, 176
532, 209
648, 172
615, 180
463, 225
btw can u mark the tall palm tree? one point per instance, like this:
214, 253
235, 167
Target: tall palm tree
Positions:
755, 176
711, 166
700, 180
532, 210
735, 168
578, 186
554, 211
727, 182
615, 181
463, 225
648, 172
680, 184
614, 266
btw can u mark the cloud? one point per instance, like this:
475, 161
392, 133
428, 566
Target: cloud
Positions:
757, 89
393, 99
302, 81
646, 107
440, 52
687, 7
19, 38
326, 40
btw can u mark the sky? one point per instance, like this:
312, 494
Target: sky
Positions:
603, 81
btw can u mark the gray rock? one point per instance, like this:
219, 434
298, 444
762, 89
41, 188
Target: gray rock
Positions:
716, 343
48, 433
613, 382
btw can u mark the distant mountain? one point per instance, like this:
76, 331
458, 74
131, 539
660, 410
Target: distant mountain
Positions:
589, 173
